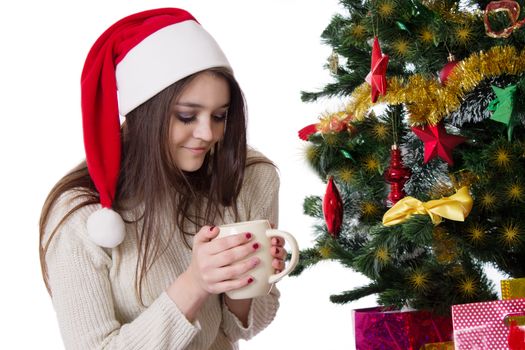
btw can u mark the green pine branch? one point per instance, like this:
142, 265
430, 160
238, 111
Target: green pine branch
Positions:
356, 293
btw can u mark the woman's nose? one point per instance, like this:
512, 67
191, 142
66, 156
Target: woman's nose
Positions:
203, 129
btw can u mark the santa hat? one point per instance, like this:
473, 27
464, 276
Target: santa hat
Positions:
137, 57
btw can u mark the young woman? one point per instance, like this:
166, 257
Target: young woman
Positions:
127, 237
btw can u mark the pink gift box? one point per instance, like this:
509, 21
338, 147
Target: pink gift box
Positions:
380, 329
485, 325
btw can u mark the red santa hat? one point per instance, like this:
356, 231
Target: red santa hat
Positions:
132, 61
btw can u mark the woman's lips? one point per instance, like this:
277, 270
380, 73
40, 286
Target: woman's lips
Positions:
197, 150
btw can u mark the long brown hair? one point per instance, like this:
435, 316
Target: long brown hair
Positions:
149, 179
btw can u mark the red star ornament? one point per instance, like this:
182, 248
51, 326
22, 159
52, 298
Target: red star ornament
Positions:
377, 76
437, 142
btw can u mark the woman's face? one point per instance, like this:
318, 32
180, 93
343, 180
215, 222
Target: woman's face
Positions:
198, 120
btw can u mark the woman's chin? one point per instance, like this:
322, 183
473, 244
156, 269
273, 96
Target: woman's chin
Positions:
191, 167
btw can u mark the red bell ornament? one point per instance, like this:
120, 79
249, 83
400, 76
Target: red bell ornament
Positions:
396, 175
333, 208
447, 69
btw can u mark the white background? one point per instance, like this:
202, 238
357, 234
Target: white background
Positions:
276, 51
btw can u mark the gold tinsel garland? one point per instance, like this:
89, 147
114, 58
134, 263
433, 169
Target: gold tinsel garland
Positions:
426, 100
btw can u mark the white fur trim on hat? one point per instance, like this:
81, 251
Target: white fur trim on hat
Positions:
106, 228
164, 57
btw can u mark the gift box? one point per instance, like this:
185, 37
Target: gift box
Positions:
485, 325
448, 345
516, 336
380, 328
513, 288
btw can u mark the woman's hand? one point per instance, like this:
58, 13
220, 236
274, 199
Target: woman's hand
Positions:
278, 254
217, 265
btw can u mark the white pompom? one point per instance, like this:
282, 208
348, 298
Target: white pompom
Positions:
106, 228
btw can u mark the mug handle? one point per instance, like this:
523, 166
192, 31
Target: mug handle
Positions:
295, 253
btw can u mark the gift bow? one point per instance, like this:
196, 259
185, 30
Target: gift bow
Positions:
456, 207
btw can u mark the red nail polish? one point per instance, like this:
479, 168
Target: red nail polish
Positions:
248, 235
255, 245
211, 228
250, 280
276, 250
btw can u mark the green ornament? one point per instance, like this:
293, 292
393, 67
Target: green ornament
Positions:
402, 26
347, 155
503, 107
436, 41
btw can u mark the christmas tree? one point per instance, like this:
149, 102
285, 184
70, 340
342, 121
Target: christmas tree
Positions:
425, 165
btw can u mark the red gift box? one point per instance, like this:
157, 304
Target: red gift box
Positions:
380, 328
516, 336
485, 325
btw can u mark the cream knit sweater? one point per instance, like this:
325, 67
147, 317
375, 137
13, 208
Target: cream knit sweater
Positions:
93, 289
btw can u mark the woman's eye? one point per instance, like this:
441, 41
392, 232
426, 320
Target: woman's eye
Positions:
220, 117
186, 118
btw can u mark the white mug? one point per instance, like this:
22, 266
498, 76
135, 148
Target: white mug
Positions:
264, 275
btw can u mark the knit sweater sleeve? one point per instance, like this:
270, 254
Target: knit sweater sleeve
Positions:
78, 273
260, 195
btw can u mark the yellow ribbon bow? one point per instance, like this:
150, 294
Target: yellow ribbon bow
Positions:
456, 207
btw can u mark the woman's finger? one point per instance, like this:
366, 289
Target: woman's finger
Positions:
239, 269
224, 243
232, 255
214, 276
278, 241
226, 286
278, 253
206, 234
278, 265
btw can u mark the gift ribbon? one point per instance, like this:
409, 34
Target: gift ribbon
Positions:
456, 207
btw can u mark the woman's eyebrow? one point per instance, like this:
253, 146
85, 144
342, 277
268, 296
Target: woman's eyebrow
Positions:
196, 105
